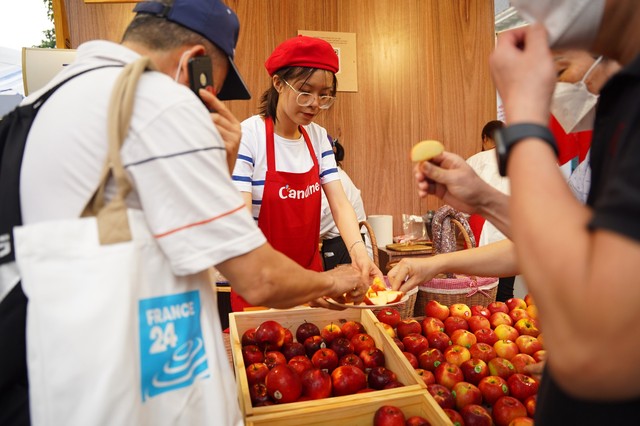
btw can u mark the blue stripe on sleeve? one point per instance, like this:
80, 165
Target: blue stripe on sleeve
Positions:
246, 158
241, 178
257, 183
328, 172
326, 153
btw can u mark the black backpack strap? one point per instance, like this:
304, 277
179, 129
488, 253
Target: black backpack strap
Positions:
14, 129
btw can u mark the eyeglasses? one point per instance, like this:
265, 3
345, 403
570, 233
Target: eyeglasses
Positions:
305, 99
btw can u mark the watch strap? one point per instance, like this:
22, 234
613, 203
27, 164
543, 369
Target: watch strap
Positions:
511, 135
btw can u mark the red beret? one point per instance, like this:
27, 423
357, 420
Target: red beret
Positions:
303, 51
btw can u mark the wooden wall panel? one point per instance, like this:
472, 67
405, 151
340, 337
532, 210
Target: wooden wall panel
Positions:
422, 74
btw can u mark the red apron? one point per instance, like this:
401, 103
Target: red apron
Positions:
290, 212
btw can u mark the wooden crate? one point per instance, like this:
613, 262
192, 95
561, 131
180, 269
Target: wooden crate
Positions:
415, 403
292, 318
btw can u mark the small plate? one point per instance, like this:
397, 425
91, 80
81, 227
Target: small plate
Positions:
363, 305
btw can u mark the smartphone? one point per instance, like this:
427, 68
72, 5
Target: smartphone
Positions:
200, 73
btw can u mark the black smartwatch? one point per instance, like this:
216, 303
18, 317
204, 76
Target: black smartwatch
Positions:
506, 137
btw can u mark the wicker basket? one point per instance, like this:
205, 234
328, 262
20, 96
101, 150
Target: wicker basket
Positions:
458, 289
406, 308
461, 289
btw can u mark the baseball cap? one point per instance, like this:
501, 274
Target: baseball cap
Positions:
303, 51
214, 21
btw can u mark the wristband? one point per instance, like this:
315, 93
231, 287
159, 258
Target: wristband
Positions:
352, 245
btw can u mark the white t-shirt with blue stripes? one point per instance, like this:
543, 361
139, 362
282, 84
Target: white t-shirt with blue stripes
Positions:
291, 156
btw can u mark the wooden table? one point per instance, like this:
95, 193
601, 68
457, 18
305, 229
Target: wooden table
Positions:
388, 258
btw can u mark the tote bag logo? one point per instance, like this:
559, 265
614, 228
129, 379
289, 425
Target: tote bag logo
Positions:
172, 352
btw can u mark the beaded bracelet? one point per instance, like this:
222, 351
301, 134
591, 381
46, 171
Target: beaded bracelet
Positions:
352, 245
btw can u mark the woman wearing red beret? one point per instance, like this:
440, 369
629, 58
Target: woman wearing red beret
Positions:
285, 159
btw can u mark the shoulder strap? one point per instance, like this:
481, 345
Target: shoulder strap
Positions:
14, 129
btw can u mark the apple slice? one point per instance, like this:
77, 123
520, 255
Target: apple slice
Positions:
426, 150
378, 285
393, 296
380, 299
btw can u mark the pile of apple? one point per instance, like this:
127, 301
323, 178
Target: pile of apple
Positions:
339, 359
473, 359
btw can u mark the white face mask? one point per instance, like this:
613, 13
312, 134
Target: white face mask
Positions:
177, 76
570, 23
573, 105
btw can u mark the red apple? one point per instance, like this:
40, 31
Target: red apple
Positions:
431, 324
486, 335
528, 344
430, 359
388, 329
330, 332
492, 388
507, 408
528, 298
371, 358
258, 394
463, 338
475, 415
466, 393
412, 359
291, 349
361, 342
341, 346
474, 370
530, 405
497, 306
480, 310
325, 359
351, 328
352, 359
283, 384
517, 314
454, 416
417, 421
455, 323
521, 421
506, 349
288, 336
313, 344
527, 326
435, 309
249, 337
306, 330
532, 310
442, 395
379, 377
252, 354
460, 310
498, 318
483, 351
257, 372
399, 343
415, 343
388, 415
300, 364
478, 322
273, 358
506, 332
439, 340
520, 361
448, 374
270, 335
389, 316
522, 386
347, 380
408, 326
540, 356
501, 367
316, 384
393, 384
427, 376
516, 303
456, 354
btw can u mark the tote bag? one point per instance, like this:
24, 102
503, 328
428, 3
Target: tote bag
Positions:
113, 336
